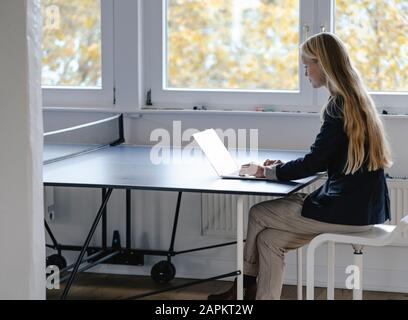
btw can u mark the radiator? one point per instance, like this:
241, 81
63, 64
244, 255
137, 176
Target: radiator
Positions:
218, 211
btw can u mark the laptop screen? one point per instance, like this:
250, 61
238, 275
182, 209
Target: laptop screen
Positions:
217, 154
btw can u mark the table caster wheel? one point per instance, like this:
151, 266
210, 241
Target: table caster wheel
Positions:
56, 260
163, 272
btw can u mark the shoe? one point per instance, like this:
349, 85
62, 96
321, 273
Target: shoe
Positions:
250, 292
231, 293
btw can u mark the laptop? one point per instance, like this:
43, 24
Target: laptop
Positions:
219, 157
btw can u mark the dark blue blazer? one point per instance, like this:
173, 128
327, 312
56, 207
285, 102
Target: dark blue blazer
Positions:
354, 199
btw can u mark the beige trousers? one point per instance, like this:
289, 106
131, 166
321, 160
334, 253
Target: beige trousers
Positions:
274, 227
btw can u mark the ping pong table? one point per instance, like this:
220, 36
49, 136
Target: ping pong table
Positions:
130, 167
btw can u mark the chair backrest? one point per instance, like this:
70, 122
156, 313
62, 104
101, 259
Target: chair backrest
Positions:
402, 227
399, 232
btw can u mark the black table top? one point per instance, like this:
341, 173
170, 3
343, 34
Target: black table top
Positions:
131, 167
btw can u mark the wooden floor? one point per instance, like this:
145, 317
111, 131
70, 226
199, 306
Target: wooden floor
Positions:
91, 286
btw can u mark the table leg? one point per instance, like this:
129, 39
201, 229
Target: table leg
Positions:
240, 247
86, 244
128, 219
104, 222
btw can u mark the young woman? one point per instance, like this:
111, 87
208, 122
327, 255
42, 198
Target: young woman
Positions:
351, 147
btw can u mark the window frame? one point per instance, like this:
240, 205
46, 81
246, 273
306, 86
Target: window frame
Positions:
132, 58
76, 96
394, 102
154, 42
313, 13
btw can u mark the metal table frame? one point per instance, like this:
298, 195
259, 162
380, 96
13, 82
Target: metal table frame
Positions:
118, 255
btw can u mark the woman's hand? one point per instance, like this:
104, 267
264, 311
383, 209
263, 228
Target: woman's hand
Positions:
260, 172
269, 162
252, 169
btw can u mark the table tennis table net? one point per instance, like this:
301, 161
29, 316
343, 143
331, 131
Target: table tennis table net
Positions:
83, 138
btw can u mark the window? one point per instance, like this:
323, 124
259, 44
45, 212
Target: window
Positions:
77, 52
235, 44
232, 54
238, 54
71, 45
376, 34
226, 54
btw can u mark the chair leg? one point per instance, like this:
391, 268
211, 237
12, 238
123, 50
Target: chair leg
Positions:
299, 274
240, 247
358, 276
310, 271
330, 269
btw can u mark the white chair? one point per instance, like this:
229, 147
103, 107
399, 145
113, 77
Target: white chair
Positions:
380, 235
299, 263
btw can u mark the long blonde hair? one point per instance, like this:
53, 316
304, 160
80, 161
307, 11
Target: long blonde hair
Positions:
362, 123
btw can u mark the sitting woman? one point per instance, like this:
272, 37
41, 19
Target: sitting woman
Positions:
351, 146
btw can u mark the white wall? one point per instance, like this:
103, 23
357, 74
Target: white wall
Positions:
22, 263
153, 211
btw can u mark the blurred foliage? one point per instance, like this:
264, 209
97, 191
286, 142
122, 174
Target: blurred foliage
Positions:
71, 45
253, 44
376, 33
233, 44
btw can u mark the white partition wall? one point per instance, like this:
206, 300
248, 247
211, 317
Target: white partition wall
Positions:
22, 248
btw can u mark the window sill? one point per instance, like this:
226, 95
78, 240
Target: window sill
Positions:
228, 112
172, 111
133, 112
